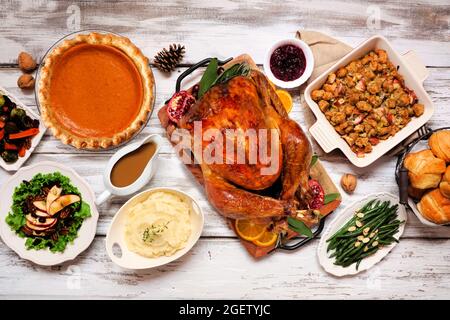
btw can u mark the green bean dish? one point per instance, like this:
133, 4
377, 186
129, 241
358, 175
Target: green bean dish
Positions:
371, 227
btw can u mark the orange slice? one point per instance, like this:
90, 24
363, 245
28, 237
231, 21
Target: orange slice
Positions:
267, 239
286, 99
249, 229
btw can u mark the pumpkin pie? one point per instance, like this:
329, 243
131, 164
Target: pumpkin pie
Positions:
95, 90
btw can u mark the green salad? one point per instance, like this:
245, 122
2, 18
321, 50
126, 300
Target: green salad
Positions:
48, 211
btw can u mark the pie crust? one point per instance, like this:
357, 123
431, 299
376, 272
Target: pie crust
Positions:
109, 140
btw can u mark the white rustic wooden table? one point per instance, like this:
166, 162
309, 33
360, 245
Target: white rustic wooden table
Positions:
218, 266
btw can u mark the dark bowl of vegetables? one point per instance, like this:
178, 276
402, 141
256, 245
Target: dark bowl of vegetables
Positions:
18, 128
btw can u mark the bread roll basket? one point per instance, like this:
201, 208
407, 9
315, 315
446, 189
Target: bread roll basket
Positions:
401, 173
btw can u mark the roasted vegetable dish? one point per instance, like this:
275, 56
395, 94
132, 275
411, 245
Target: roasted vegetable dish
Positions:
48, 211
17, 129
367, 101
372, 227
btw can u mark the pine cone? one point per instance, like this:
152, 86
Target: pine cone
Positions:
167, 60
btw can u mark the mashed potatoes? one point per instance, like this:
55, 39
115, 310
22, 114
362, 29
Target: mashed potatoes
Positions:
158, 226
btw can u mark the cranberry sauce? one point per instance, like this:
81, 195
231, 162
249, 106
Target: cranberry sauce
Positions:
288, 62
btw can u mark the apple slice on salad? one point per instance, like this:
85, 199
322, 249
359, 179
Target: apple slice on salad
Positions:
41, 214
52, 195
37, 221
40, 228
62, 202
41, 205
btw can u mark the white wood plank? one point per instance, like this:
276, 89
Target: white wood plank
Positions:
437, 85
418, 268
415, 269
229, 28
172, 173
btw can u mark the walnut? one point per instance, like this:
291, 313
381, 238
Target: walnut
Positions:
26, 62
26, 81
349, 182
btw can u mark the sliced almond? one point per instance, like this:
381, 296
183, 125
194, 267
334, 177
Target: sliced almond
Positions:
366, 231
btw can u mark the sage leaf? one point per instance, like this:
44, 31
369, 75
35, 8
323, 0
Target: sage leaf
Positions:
314, 159
208, 78
299, 227
330, 197
239, 69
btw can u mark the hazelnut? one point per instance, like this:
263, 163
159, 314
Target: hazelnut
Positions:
348, 182
26, 62
26, 81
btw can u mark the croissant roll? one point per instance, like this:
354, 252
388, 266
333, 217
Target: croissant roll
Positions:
444, 186
425, 170
439, 143
435, 207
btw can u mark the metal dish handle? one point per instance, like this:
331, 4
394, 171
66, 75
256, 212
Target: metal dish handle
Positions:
194, 67
291, 245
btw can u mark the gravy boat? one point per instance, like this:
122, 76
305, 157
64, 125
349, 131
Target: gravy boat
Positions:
140, 182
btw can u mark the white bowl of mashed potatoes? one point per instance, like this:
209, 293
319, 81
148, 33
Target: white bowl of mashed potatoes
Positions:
153, 228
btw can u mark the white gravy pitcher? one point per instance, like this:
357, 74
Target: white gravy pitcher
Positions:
141, 181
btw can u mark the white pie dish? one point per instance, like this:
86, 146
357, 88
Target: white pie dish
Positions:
341, 218
127, 259
34, 142
414, 73
309, 57
38, 81
86, 233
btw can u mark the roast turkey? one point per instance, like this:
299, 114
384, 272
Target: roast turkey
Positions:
251, 189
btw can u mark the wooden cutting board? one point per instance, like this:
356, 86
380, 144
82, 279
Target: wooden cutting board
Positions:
317, 172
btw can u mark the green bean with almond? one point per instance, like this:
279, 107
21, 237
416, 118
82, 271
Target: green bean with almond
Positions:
372, 226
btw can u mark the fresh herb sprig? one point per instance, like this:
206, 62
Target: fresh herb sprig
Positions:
151, 233
300, 227
314, 159
239, 69
330, 197
210, 78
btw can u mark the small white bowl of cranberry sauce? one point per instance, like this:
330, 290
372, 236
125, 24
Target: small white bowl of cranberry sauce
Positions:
289, 63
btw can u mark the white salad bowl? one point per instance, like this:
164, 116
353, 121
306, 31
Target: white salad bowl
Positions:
34, 142
309, 57
45, 257
341, 219
414, 73
115, 239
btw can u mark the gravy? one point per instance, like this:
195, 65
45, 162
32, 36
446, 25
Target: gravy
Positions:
130, 167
